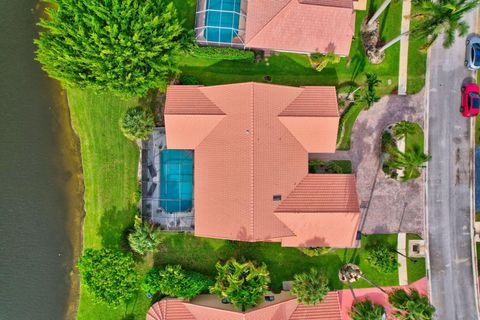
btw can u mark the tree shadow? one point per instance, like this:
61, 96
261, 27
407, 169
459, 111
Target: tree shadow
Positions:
114, 226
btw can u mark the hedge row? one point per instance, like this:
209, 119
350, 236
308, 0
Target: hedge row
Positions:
223, 53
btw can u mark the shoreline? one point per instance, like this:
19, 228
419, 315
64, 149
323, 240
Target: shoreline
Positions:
71, 165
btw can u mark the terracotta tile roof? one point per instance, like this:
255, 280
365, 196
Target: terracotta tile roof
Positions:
180, 100
250, 154
321, 211
328, 309
322, 193
169, 309
289, 309
293, 25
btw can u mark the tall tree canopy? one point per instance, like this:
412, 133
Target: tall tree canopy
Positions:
242, 283
123, 46
109, 275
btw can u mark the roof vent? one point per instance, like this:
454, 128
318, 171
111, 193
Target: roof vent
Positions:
277, 197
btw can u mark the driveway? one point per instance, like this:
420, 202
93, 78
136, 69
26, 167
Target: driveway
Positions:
388, 206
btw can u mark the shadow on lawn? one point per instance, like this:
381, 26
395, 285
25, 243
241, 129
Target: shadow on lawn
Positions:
281, 69
114, 226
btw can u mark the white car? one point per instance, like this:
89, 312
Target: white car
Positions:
472, 59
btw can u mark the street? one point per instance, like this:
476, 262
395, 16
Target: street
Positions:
452, 279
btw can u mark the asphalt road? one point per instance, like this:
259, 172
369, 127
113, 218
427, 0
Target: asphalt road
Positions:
452, 280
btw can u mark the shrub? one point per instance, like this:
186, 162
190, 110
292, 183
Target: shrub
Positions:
323, 60
145, 237
124, 47
382, 258
242, 283
109, 275
310, 287
411, 305
137, 123
367, 310
315, 252
176, 282
223, 53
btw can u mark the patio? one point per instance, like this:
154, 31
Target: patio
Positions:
151, 188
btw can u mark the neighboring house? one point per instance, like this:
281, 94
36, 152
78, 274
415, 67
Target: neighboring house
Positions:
336, 306
250, 145
208, 307
303, 26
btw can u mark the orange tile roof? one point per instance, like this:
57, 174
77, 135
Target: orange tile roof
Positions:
300, 25
169, 309
256, 150
175, 309
328, 309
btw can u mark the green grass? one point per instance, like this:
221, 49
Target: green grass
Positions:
347, 121
417, 60
415, 140
201, 254
110, 175
418, 270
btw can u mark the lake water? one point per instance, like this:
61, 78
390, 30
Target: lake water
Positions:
40, 181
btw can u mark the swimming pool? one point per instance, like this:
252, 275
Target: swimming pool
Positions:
222, 20
176, 180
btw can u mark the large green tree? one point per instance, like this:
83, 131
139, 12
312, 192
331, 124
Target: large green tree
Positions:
123, 46
382, 258
411, 305
310, 287
242, 283
176, 282
109, 275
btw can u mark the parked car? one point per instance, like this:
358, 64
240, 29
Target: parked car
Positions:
472, 59
470, 100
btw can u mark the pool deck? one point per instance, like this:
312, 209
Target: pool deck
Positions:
151, 210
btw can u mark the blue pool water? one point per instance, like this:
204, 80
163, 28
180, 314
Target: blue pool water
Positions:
176, 180
222, 20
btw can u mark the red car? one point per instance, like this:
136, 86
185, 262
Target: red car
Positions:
470, 100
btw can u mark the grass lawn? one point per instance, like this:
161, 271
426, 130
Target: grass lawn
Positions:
347, 121
417, 61
110, 175
418, 269
201, 254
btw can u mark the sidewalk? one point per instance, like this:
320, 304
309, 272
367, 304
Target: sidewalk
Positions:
402, 261
403, 68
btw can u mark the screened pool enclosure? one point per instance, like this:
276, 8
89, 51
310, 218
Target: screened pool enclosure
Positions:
221, 22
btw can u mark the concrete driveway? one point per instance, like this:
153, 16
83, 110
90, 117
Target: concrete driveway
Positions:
388, 206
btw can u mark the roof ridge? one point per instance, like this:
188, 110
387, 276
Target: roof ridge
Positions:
208, 98
269, 21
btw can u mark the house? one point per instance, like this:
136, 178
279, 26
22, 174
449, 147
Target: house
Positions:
251, 143
208, 307
302, 26
336, 306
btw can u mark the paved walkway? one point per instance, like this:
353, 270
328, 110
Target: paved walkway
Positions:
403, 69
402, 261
388, 206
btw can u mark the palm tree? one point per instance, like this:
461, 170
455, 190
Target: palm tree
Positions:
379, 11
367, 310
403, 128
310, 287
411, 305
435, 18
414, 159
370, 95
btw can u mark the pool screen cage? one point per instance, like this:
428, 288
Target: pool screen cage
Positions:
221, 22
